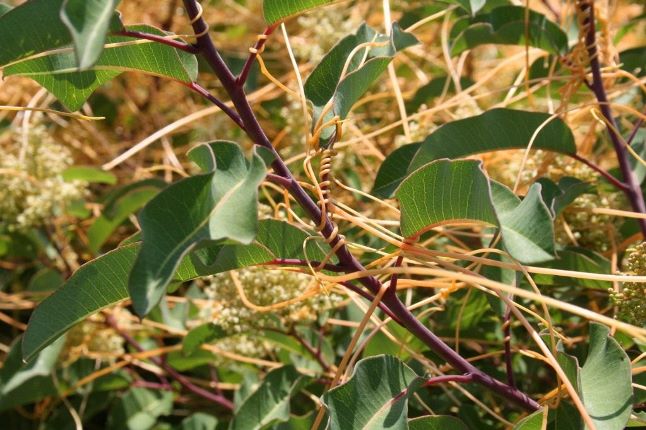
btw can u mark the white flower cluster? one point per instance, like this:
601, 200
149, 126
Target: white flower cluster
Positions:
92, 338
631, 300
31, 186
326, 27
263, 287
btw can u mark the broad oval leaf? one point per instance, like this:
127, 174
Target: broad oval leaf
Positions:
269, 404
475, 135
531, 422
347, 71
217, 205
279, 10
446, 191
509, 25
606, 381
527, 227
57, 71
88, 22
375, 397
103, 282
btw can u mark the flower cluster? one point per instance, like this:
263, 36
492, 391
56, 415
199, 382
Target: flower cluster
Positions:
264, 287
32, 188
327, 26
631, 300
590, 230
94, 338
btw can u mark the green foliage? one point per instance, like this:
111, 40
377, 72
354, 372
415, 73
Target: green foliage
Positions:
279, 10
475, 135
88, 22
436, 422
506, 25
447, 191
57, 71
269, 404
606, 380
375, 397
88, 174
348, 71
217, 205
139, 408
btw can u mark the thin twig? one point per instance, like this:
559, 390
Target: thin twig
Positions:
183, 380
177, 44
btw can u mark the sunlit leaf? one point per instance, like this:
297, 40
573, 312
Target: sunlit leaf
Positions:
475, 135
347, 72
103, 282
88, 22
509, 25
269, 404
375, 397
278, 10
57, 72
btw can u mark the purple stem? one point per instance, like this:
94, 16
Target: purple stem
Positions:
183, 380
463, 379
260, 44
391, 301
621, 186
633, 190
210, 97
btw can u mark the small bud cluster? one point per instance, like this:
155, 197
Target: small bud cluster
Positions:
263, 287
94, 338
32, 189
589, 229
631, 300
327, 26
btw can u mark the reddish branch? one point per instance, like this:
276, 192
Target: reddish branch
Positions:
235, 90
633, 190
183, 380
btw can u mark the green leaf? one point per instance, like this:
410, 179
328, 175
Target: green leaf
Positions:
437, 422
527, 227
58, 73
279, 10
328, 85
218, 205
606, 381
269, 404
507, 25
95, 286
198, 421
4, 8
103, 282
22, 383
532, 422
559, 196
88, 174
580, 260
375, 397
88, 22
119, 205
44, 30
140, 408
200, 335
445, 191
471, 6
634, 61
435, 88
475, 135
